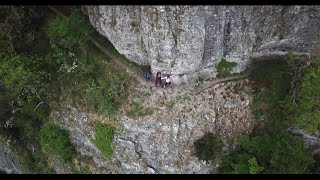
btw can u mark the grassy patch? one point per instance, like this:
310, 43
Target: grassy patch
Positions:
225, 67
186, 98
134, 24
103, 139
113, 22
176, 32
31, 163
140, 111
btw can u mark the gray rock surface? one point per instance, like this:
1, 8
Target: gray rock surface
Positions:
8, 161
162, 142
189, 41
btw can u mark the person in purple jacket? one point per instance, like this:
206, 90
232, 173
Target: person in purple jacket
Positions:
158, 78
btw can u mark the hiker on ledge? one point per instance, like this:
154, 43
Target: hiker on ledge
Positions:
147, 72
158, 78
167, 80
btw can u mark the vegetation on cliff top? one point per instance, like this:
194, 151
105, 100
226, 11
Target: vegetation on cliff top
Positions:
46, 62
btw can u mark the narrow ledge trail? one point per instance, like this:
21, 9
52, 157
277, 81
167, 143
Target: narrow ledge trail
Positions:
136, 73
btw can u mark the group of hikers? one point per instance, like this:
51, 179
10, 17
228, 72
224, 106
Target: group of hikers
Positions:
147, 76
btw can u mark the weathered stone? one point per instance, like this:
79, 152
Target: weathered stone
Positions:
163, 141
189, 41
8, 160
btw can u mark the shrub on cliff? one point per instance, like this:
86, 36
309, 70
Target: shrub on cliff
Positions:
225, 67
56, 141
103, 139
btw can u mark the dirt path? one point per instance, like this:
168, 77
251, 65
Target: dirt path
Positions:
132, 71
220, 80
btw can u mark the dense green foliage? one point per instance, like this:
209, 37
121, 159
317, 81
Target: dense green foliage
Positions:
241, 163
103, 139
274, 150
99, 84
47, 62
280, 154
56, 141
305, 113
208, 147
70, 32
20, 27
22, 127
25, 75
139, 110
225, 67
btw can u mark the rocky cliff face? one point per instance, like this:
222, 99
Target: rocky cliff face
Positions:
189, 41
162, 142
8, 161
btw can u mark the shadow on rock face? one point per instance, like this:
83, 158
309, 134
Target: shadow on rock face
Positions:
3, 172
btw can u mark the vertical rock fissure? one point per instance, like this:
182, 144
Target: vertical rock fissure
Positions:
139, 152
174, 35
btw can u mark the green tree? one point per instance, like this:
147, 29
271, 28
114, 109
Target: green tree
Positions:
289, 155
236, 163
18, 27
254, 168
264, 154
26, 77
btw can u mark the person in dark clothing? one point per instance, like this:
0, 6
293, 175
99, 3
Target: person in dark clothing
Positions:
158, 78
147, 72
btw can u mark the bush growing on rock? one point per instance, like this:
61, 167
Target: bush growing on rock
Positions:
103, 139
56, 141
224, 68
